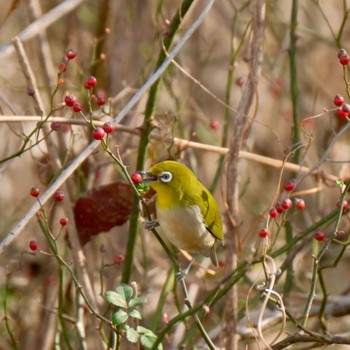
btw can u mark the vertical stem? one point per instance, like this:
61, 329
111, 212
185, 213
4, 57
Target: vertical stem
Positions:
147, 128
293, 78
250, 89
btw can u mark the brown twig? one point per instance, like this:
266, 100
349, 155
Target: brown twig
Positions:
239, 123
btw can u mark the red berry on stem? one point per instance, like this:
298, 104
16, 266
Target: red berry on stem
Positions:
136, 178
55, 126
289, 185
77, 107
345, 204
300, 204
64, 221
69, 100
273, 213
119, 259
59, 195
319, 236
263, 233
33, 245
344, 59
34, 192
98, 133
70, 54
100, 102
108, 127
30, 91
338, 100
287, 204
100, 98
214, 124
90, 82
62, 67
279, 208
342, 52
342, 114
346, 108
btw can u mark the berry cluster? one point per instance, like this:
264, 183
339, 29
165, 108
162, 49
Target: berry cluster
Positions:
284, 205
343, 56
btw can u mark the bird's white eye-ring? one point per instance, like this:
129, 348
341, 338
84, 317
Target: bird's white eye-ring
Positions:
165, 176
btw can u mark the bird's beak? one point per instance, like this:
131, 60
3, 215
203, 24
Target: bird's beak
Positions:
150, 177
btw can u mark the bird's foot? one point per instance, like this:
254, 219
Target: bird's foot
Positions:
150, 225
180, 275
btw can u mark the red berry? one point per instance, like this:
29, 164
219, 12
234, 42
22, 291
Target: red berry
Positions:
62, 67
342, 114
342, 52
108, 127
119, 259
263, 233
90, 82
289, 185
33, 245
221, 263
100, 102
100, 98
300, 204
59, 195
77, 107
344, 59
30, 91
346, 108
34, 192
69, 100
214, 124
70, 54
287, 204
345, 204
240, 81
98, 133
279, 208
319, 236
64, 221
55, 126
136, 178
338, 100
273, 213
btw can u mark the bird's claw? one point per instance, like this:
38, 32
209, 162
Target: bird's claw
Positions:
150, 225
180, 275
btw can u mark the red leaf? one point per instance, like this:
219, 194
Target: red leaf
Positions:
102, 208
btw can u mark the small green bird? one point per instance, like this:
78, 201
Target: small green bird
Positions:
186, 211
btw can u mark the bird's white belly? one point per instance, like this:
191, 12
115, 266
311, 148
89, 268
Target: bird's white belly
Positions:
185, 228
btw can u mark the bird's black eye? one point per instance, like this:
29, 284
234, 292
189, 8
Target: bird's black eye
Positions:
165, 176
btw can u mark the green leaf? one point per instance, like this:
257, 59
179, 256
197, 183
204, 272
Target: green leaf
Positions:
135, 314
119, 317
147, 340
125, 291
137, 301
132, 335
116, 299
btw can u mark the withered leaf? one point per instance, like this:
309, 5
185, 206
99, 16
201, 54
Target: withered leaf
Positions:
102, 208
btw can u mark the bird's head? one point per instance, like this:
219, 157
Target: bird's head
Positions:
169, 176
